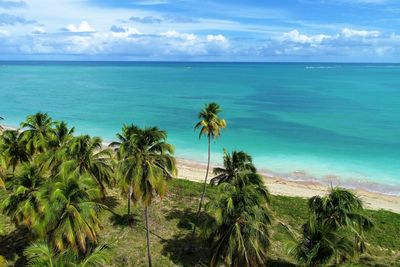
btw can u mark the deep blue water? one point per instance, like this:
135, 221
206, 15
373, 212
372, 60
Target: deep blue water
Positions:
299, 120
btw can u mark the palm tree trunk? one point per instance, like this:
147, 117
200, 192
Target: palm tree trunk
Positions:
205, 180
204, 188
148, 235
129, 200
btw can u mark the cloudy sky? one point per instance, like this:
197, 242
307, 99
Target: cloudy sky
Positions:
206, 30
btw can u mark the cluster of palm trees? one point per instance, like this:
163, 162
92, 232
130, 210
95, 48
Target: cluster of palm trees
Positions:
335, 229
56, 185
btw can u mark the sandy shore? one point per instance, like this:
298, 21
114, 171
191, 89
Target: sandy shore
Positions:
195, 171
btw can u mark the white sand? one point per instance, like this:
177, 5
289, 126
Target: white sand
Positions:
195, 171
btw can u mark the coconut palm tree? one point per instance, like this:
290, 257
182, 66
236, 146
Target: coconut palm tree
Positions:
342, 209
210, 125
239, 227
37, 131
42, 254
61, 135
125, 149
88, 156
236, 165
23, 204
12, 149
71, 215
154, 165
319, 244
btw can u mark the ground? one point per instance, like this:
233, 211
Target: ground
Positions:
171, 221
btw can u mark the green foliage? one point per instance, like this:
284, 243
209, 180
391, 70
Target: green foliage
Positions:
40, 254
210, 124
239, 226
53, 188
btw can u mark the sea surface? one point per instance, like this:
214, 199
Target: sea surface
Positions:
335, 123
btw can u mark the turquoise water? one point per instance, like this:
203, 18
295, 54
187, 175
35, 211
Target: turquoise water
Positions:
337, 122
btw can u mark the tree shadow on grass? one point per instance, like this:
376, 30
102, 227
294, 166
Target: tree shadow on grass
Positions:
187, 218
177, 249
125, 219
13, 244
183, 248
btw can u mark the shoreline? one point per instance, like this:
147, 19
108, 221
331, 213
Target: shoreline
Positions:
195, 171
279, 185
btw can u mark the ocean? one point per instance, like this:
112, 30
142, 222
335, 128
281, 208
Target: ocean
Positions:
334, 123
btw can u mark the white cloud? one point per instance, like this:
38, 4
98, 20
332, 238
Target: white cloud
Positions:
350, 33
296, 37
82, 28
178, 35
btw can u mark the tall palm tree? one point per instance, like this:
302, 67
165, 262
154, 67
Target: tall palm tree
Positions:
154, 165
239, 226
319, 244
88, 156
24, 204
12, 148
125, 149
71, 214
42, 254
210, 125
37, 130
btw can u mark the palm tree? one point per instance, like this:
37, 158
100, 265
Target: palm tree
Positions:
88, 156
37, 131
210, 125
125, 149
71, 215
23, 204
42, 254
342, 209
238, 229
12, 147
153, 165
236, 165
319, 244
61, 135
58, 145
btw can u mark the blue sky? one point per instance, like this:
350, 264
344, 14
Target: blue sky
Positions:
207, 30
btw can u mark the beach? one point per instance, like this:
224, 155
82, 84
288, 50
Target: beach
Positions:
195, 171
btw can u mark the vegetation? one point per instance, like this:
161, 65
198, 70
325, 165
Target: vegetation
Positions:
210, 125
61, 206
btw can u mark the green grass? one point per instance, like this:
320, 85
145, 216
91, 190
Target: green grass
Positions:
171, 220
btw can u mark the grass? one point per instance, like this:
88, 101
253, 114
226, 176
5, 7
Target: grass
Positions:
171, 221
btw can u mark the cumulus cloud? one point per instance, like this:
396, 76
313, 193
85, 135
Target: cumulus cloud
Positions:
296, 37
7, 19
12, 4
124, 30
347, 42
84, 27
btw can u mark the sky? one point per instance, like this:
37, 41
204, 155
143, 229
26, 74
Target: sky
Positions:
201, 30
